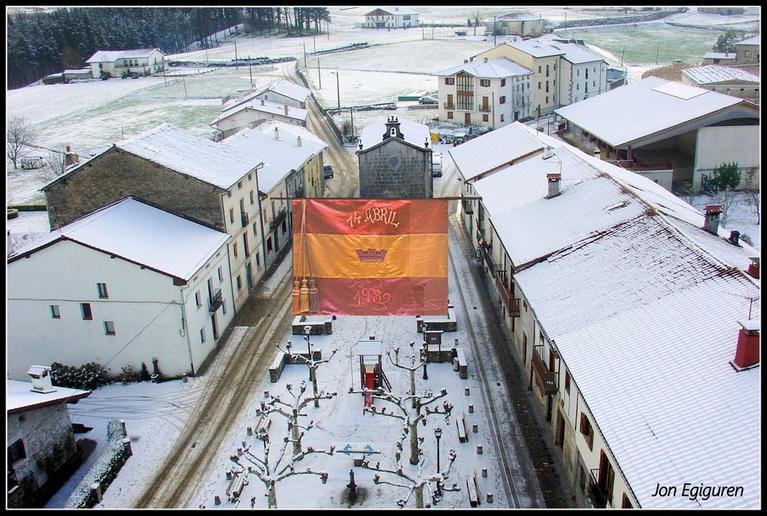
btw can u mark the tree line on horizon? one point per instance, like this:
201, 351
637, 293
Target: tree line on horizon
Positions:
41, 43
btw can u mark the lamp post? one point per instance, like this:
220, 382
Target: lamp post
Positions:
307, 331
338, 91
438, 435
425, 360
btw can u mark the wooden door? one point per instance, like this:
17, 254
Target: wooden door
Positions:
467, 118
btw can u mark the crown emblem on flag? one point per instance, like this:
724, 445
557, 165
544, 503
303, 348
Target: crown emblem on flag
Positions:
371, 255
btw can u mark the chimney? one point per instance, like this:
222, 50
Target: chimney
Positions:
465, 61
286, 110
753, 267
734, 237
553, 180
747, 352
298, 141
71, 158
262, 102
276, 134
486, 60
41, 379
711, 223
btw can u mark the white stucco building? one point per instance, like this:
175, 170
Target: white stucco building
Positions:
253, 111
391, 18
581, 74
487, 92
142, 61
125, 285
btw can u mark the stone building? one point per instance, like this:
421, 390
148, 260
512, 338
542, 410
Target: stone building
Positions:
395, 160
40, 442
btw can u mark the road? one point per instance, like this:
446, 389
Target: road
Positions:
222, 403
345, 182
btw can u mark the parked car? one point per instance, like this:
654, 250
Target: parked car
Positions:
427, 99
436, 166
327, 172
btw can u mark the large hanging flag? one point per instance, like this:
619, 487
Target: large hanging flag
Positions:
370, 256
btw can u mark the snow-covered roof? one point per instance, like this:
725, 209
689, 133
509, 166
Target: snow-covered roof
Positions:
756, 40
79, 70
289, 89
652, 105
625, 272
108, 56
493, 150
577, 54
19, 396
535, 48
280, 157
516, 17
266, 106
720, 55
198, 157
393, 10
413, 133
290, 129
717, 73
143, 234
493, 68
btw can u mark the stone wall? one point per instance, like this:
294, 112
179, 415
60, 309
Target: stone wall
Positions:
395, 170
48, 443
117, 174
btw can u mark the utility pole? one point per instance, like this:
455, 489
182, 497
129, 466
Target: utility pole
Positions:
319, 72
657, 51
338, 91
494, 32
423, 31
622, 53
315, 42
304, 54
351, 112
250, 70
184, 78
237, 66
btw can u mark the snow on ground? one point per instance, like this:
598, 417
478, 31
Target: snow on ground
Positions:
23, 186
154, 415
741, 216
29, 222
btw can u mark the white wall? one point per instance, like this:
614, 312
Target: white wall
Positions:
251, 118
281, 99
725, 144
145, 306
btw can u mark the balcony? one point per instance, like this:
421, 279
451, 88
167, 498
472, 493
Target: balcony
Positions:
466, 203
483, 109
448, 106
486, 251
596, 494
216, 300
643, 165
277, 220
545, 379
244, 218
512, 304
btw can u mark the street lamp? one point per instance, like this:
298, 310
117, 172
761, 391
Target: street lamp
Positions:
438, 435
307, 330
425, 360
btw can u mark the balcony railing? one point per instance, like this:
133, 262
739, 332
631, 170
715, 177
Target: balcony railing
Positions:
448, 106
545, 379
512, 304
216, 300
596, 494
277, 220
643, 165
466, 203
487, 254
244, 218
483, 109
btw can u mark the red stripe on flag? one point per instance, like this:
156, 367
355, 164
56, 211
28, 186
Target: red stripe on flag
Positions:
390, 296
372, 216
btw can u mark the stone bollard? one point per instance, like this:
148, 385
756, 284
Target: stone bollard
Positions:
475, 428
239, 451
466, 391
484, 472
250, 430
184, 378
489, 497
479, 449
217, 500
455, 364
229, 474
127, 447
266, 394
471, 409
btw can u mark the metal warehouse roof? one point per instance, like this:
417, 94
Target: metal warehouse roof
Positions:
643, 108
719, 55
717, 73
493, 68
106, 56
142, 234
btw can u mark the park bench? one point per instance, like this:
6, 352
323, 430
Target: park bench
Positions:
463, 370
473, 490
460, 423
276, 368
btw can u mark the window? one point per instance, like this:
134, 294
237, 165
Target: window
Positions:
239, 283
258, 260
578, 87
202, 335
539, 85
555, 67
547, 87
255, 230
85, 308
567, 381
501, 117
485, 118
578, 73
484, 82
449, 115
223, 306
109, 327
502, 99
586, 430
102, 290
239, 185
547, 70
539, 69
449, 80
231, 215
626, 503
234, 249
55, 313
547, 99
503, 82
220, 275
252, 197
250, 176
16, 452
197, 299
269, 245
284, 226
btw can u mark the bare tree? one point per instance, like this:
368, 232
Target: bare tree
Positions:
267, 470
752, 193
727, 200
310, 362
56, 162
18, 135
412, 368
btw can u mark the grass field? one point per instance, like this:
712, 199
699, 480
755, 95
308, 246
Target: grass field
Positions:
639, 44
